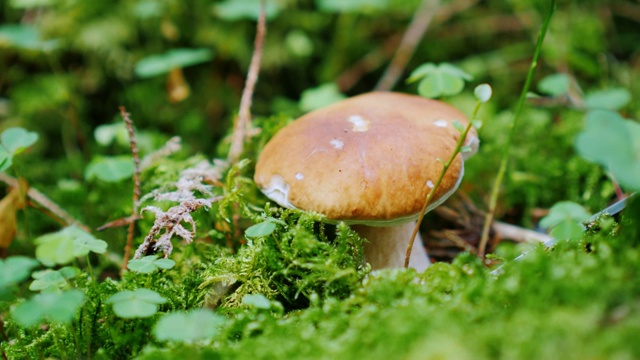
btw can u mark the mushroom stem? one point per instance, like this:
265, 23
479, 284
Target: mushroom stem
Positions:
387, 246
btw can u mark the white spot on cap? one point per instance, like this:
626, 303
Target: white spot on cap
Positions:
430, 184
278, 191
299, 176
441, 123
360, 124
337, 144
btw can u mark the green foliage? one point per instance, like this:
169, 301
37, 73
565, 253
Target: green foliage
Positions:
110, 169
193, 326
437, 80
65, 245
139, 303
14, 270
13, 141
154, 65
57, 307
614, 143
554, 84
262, 282
319, 97
149, 264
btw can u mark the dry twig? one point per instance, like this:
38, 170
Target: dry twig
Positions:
242, 125
415, 31
136, 183
46, 205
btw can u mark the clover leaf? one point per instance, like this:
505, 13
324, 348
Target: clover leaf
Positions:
63, 246
57, 307
439, 79
149, 264
614, 143
564, 220
188, 327
15, 269
139, 303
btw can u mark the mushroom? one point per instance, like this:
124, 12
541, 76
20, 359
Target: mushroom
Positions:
368, 161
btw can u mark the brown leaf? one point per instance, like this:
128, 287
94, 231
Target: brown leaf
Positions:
177, 87
9, 205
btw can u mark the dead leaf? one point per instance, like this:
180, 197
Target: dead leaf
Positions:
177, 87
15, 200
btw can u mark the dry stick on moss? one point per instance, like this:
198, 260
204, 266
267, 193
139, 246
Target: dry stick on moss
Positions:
493, 201
415, 31
48, 206
136, 184
446, 165
242, 125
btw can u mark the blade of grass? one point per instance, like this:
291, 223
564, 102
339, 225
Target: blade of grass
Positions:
493, 200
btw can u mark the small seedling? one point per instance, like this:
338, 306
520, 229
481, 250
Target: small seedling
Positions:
63, 246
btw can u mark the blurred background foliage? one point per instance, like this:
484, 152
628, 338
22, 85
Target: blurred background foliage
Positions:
179, 68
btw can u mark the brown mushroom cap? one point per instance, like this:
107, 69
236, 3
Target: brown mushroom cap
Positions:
369, 159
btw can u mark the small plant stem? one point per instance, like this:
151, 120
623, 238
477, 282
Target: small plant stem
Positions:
493, 200
136, 184
89, 268
242, 124
433, 190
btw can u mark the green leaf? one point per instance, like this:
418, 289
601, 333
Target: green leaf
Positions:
439, 80
265, 228
140, 303
342, 6
610, 99
54, 306
63, 246
85, 244
15, 140
110, 169
319, 97
246, 9
176, 58
567, 230
56, 279
149, 264
257, 301
5, 159
564, 211
105, 134
555, 84
15, 269
188, 327
24, 37
614, 143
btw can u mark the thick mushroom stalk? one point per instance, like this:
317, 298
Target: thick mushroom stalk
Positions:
387, 246
368, 161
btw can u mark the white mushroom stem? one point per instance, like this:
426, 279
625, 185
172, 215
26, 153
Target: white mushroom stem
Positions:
387, 246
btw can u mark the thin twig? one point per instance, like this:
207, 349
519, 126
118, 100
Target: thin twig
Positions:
136, 183
48, 206
493, 201
242, 124
415, 32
